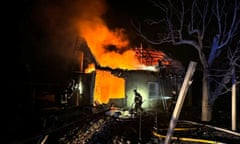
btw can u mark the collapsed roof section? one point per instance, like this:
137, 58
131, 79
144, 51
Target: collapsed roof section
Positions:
150, 60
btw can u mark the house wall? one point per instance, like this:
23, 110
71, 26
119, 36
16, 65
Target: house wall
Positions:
84, 97
139, 80
136, 81
162, 101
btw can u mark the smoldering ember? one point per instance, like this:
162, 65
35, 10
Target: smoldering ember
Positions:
110, 72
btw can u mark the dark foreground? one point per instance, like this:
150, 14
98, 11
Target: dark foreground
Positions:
93, 126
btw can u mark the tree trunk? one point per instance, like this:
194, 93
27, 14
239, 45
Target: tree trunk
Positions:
206, 108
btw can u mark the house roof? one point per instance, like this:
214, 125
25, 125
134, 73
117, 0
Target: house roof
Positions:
151, 60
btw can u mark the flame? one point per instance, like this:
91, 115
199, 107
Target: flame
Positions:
90, 68
108, 86
110, 48
99, 38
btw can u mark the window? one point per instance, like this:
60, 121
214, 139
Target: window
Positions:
153, 89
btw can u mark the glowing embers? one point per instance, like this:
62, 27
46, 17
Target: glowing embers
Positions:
108, 86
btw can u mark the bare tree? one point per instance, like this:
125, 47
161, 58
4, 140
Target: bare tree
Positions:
225, 73
208, 26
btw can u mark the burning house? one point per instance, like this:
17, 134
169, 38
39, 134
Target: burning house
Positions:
155, 75
107, 67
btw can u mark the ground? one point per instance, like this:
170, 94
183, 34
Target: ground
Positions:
91, 125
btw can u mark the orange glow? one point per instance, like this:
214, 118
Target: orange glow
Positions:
166, 62
90, 68
111, 49
108, 46
150, 57
107, 86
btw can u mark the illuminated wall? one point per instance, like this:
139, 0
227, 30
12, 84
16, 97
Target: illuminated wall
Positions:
108, 86
140, 80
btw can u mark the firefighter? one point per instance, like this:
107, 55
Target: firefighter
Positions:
138, 101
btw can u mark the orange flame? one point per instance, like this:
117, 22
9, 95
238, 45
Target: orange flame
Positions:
107, 86
98, 38
90, 68
109, 47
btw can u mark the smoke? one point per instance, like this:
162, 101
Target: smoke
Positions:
54, 28
54, 22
